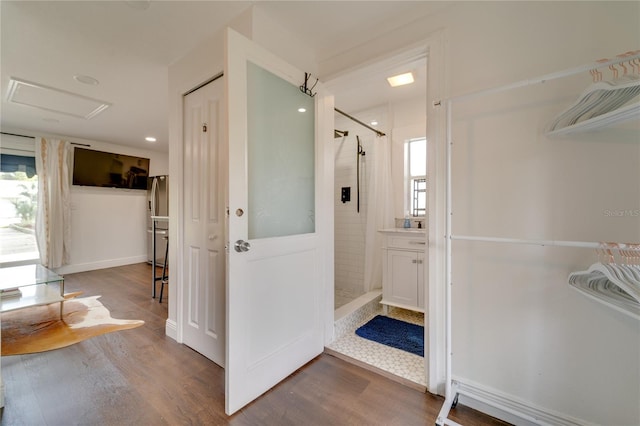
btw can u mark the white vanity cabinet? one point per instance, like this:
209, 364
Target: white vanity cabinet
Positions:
403, 269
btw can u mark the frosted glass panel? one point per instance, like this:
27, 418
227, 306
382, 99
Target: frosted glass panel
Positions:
281, 135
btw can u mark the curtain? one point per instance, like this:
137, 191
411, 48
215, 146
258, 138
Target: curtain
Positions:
53, 160
379, 211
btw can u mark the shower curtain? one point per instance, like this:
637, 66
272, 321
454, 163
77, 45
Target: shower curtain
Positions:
379, 211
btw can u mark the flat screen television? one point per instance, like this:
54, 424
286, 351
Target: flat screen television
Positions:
109, 170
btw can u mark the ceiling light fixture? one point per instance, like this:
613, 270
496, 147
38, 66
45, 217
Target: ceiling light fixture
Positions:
374, 123
401, 79
302, 110
150, 139
86, 79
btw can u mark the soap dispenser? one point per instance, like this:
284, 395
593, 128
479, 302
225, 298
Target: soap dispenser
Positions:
407, 221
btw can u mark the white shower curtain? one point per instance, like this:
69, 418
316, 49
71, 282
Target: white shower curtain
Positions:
379, 211
53, 160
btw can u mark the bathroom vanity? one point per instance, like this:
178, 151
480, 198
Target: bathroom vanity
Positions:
403, 268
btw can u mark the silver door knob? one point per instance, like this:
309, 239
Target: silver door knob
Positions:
242, 246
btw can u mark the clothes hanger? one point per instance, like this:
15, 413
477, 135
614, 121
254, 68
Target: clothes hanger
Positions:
600, 289
600, 97
611, 283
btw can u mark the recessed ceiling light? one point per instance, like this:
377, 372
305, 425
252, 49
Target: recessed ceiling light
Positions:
401, 79
374, 123
86, 79
150, 139
302, 110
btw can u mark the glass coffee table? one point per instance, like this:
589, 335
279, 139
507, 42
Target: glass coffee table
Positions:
29, 285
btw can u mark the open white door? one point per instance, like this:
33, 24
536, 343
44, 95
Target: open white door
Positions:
278, 224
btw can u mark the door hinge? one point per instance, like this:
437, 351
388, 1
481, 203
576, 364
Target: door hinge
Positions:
204, 128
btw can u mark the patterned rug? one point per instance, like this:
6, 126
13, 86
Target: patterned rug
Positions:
40, 328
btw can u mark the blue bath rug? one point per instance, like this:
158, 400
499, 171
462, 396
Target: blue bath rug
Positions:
395, 333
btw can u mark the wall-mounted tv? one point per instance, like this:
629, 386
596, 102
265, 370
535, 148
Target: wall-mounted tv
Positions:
109, 170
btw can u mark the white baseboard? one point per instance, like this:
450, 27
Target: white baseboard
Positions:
510, 408
171, 329
102, 264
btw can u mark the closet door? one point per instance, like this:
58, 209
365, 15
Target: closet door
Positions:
204, 225
280, 206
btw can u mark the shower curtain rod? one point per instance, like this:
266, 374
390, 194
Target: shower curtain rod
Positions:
378, 132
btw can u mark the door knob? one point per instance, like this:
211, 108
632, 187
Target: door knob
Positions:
242, 246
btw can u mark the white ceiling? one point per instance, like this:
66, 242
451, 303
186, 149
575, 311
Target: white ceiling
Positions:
128, 45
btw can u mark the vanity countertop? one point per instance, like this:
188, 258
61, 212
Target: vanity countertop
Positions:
404, 230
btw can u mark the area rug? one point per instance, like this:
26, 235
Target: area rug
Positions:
40, 328
395, 333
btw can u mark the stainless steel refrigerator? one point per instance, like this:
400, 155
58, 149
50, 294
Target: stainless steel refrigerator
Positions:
157, 205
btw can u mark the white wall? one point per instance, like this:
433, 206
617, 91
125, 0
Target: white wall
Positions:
108, 226
518, 328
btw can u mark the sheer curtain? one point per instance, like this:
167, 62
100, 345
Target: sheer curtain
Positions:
379, 211
53, 159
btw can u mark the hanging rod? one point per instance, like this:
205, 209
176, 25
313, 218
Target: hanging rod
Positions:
378, 132
552, 243
544, 78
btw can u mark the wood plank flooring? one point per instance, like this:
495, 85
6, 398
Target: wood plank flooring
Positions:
142, 377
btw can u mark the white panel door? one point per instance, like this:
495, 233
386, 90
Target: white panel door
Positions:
277, 250
204, 222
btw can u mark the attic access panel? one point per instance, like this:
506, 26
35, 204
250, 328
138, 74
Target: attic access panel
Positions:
55, 100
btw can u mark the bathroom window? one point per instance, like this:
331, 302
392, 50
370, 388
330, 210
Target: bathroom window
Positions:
416, 176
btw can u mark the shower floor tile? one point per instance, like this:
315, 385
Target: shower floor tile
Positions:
394, 361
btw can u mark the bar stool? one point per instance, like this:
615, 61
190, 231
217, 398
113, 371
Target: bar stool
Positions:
165, 278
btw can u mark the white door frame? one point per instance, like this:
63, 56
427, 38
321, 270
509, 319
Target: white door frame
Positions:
433, 48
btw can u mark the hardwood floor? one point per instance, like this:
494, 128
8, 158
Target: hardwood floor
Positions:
142, 377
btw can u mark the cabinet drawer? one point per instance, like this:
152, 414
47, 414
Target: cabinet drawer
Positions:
417, 243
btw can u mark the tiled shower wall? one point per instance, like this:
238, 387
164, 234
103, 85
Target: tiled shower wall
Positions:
350, 225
